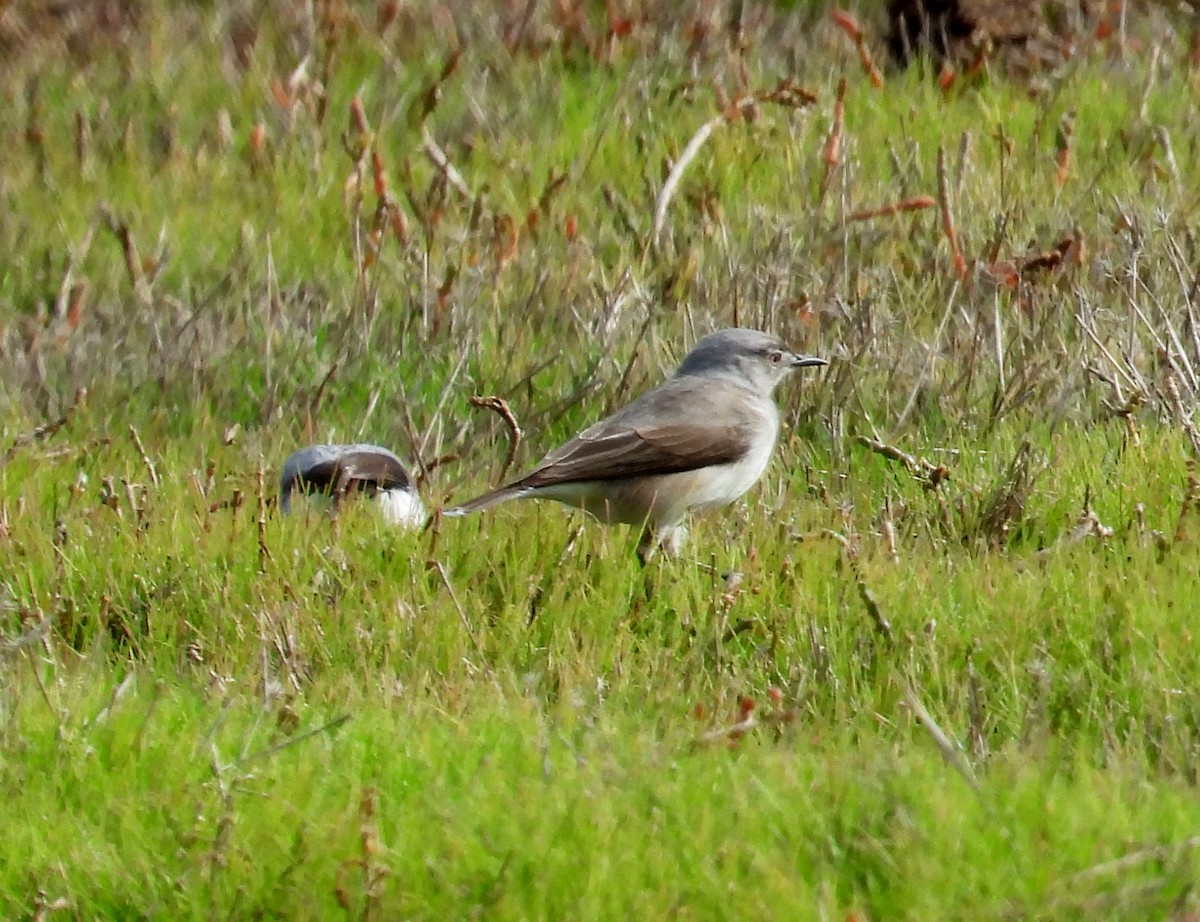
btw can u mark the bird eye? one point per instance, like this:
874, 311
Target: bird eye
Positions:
775, 357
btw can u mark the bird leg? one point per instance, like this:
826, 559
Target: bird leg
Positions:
671, 539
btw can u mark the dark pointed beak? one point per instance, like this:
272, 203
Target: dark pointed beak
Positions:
808, 361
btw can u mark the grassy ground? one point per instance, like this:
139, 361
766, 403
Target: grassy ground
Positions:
957, 685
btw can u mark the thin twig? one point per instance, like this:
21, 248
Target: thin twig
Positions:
314, 405
930, 474
1127, 373
27, 639
872, 604
420, 448
1133, 859
850, 551
264, 553
271, 750
663, 202
410, 429
619, 392
462, 614
500, 406
948, 228
141, 450
37, 677
539, 588
429, 466
438, 157
45, 430
929, 363
944, 743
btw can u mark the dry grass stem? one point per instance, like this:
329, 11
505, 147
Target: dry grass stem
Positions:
44, 431
949, 750
919, 203
269, 751
141, 450
878, 618
462, 616
948, 226
500, 407
438, 158
786, 94
663, 202
27, 639
929, 474
260, 489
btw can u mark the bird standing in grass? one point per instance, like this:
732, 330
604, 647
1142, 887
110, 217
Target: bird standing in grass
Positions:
697, 441
336, 471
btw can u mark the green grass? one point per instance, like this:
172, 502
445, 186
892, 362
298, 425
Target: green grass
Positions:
209, 711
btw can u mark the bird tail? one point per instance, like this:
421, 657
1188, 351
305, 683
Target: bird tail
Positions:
489, 499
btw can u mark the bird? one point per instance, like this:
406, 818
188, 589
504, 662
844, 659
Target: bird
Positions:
338, 470
698, 441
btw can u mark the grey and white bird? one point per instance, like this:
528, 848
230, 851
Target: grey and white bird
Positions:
336, 471
698, 441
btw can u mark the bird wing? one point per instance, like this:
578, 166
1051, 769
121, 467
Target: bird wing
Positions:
368, 471
609, 452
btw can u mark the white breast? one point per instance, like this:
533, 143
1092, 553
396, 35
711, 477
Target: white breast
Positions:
401, 507
723, 484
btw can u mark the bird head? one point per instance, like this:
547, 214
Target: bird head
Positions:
757, 359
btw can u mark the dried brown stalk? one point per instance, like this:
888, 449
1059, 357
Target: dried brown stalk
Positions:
438, 158
44, 431
949, 750
948, 228
1062, 147
785, 93
141, 450
264, 554
1088, 525
849, 25
500, 406
929, 474
427, 467
129, 250
882, 624
833, 144
918, 203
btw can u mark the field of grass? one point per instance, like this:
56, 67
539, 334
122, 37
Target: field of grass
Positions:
939, 664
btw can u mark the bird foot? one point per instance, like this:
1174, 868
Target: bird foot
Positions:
670, 540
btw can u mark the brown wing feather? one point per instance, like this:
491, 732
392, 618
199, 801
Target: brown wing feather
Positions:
369, 472
667, 449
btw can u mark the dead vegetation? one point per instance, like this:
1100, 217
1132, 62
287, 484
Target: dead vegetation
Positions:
959, 30
78, 29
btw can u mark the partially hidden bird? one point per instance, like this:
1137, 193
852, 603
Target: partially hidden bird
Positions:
337, 471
